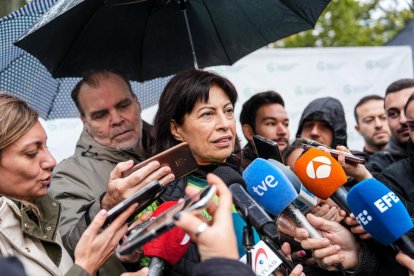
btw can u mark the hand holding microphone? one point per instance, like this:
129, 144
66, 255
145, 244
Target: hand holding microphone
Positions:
406, 261
382, 214
338, 245
270, 187
354, 170
356, 228
329, 210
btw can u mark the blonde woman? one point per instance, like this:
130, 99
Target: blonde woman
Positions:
28, 216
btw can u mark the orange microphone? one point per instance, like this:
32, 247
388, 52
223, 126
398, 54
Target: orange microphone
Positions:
323, 176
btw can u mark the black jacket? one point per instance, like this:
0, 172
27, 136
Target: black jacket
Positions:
399, 177
329, 110
392, 153
175, 191
225, 267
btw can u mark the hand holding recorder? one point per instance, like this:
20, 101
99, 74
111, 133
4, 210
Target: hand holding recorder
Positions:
144, 182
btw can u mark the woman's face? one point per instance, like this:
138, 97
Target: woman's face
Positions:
26, 166
210, 128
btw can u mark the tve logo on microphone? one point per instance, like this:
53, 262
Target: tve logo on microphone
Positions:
269, 181
319, 167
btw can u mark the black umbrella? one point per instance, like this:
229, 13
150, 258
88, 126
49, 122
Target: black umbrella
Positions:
152, 38
24, 76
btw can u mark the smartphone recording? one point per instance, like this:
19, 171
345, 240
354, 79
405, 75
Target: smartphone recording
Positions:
349, 158
179, 158
144, 197
162, 223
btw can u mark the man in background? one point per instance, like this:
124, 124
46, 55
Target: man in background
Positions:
113, 132
396, 96
264, 114
371, 124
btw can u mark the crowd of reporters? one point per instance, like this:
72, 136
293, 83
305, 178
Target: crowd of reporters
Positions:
196, 107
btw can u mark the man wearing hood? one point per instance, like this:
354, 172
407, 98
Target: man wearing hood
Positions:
323, 120
396, 96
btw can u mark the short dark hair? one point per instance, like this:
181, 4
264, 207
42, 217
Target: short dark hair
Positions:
92, 79
365, 100
178, 98
249, 110
410, 99
399, 85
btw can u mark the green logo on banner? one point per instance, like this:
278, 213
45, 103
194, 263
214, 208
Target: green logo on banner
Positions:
379, 64
329, 66
280, 67
308, 90
356, 89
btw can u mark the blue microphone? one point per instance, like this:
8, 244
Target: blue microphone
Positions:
270, 187
382, 214
252, 212
305, 201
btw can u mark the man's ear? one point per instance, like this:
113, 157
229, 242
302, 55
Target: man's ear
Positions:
176, 131
356, 127
85, 125
248, 132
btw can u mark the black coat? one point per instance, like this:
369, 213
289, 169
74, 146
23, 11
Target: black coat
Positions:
399, 177
224, 267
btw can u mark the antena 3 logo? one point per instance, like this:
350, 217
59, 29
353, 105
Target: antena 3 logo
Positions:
319, 167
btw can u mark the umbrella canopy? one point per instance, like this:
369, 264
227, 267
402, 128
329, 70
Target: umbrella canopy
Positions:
152, 38
24, 76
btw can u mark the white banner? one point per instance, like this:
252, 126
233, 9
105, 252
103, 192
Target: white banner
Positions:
299, 75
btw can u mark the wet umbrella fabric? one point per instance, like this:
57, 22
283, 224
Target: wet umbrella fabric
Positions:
24, 76
149, 38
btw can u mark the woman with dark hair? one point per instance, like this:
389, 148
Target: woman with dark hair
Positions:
179, 99
197, 107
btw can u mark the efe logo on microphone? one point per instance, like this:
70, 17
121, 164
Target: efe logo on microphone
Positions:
363, 218
319, 167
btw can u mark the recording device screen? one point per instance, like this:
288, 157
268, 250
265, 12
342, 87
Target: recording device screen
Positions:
179, 158
162, 223
266, 149
144, 197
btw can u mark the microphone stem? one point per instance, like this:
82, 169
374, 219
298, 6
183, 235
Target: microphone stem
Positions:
406, 245
279, 253
339, 197
156, 267
248, 242
301, 221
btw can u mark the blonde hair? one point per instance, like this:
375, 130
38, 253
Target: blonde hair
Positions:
16, 119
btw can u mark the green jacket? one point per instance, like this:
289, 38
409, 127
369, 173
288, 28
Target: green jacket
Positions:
32, 237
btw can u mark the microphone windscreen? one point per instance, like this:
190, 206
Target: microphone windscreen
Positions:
170, 246
229, 175
379, 211
269, 186
321, 174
